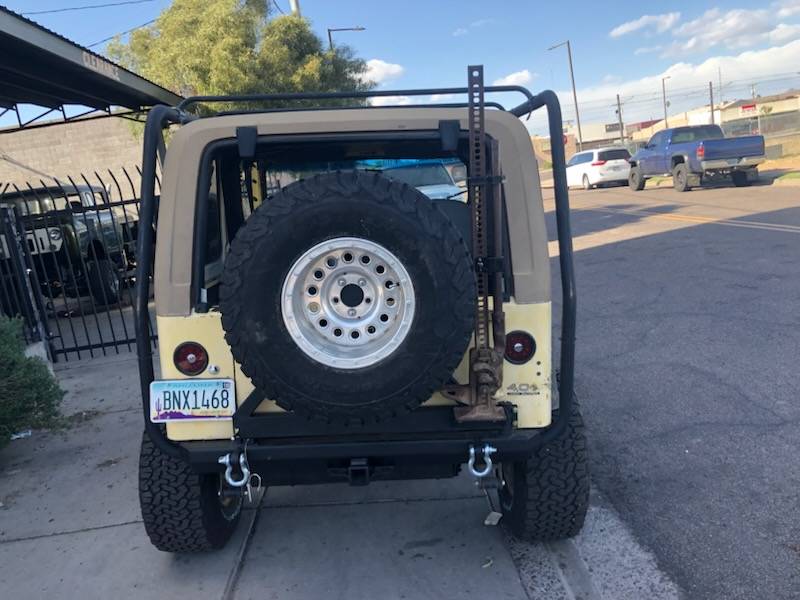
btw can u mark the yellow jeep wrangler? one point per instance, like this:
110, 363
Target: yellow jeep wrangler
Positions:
324, 316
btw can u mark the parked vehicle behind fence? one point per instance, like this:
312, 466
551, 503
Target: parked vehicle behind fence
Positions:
81, 243
598, 167
696, 155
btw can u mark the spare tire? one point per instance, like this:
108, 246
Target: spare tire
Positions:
348, 297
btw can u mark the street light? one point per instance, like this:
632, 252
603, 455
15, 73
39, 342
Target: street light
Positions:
574, 93
664, 96
332, 29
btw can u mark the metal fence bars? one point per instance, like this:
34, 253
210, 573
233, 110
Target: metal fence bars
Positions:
67, 262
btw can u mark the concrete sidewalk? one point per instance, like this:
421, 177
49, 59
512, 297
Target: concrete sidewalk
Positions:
70, 527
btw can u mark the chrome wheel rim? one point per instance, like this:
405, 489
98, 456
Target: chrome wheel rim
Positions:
348, 302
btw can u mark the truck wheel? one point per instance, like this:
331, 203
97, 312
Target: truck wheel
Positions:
635, 180
183, 511
587, 185
680, 177
545, 498
104, 283
740, 179
348, 298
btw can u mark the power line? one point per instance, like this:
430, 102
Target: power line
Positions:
278, 6
88, 7
108, 39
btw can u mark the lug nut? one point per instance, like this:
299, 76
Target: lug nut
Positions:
518, 347
351, 312
342, 282
362, 282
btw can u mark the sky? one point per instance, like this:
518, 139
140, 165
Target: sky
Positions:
618, 48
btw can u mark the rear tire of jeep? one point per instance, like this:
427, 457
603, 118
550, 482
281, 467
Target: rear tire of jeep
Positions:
680, 178
181, 509
635, 180
290, 352
546, 497
104, 283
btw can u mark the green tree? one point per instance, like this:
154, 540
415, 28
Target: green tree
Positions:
199, 47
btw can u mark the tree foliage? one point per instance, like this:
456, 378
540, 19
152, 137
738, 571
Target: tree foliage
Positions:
199, 47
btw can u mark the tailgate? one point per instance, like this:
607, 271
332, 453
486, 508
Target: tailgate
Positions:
739, 147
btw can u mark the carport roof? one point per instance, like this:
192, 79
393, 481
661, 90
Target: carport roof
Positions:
41, 67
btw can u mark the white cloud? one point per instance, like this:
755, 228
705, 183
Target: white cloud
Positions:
648, 50
686, 88
736, 29
660, 23
442, 97
391, 101
523, 77
381, 71
787, 8
474, 25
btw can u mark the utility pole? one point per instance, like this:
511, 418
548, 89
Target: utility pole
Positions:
664, 96
719, 89
711, 100
295, 6
332, 29
574, 93
619, 118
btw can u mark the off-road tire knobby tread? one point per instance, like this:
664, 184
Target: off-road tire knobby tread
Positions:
179, 511
552, 487
452, 337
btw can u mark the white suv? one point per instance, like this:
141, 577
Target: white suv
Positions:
602, 165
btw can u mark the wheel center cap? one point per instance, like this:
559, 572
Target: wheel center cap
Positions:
352, 295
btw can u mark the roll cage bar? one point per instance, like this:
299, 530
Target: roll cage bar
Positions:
162, 116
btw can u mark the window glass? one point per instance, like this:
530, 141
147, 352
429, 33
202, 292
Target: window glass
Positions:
214, 231
587, 157
656, 139
620, 154
682, 135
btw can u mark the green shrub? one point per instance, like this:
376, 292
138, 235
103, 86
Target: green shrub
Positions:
29, 394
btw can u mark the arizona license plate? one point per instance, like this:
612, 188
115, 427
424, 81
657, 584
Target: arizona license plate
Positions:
191, 400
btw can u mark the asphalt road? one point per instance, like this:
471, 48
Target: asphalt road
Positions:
687, 369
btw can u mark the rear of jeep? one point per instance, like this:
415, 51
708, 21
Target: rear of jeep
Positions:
319, 321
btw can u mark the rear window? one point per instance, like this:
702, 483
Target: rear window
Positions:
620, 154
692, 134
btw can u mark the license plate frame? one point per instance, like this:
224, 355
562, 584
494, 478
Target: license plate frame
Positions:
191, 400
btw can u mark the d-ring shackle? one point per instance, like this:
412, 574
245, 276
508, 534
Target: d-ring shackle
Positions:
226, 460
487, 459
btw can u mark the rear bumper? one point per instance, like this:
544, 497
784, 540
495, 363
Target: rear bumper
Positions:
610, 177
732, 164
429, 435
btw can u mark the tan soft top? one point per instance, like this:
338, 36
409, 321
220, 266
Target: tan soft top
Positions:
526, 223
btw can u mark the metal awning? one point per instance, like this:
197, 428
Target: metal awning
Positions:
40, 67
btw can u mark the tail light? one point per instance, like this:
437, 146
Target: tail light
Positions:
520, 347
190, 358
701, 152
598, 163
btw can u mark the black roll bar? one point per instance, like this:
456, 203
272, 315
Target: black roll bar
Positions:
159, 117
349, 95
566, 386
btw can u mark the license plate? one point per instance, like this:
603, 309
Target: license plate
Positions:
192, 400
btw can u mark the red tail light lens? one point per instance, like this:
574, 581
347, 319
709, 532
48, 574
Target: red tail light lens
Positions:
701, 152
190, 358
520, 347
598, 163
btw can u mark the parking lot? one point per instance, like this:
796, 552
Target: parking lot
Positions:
687, 350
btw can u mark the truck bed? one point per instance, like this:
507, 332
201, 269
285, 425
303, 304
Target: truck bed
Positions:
735, 147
